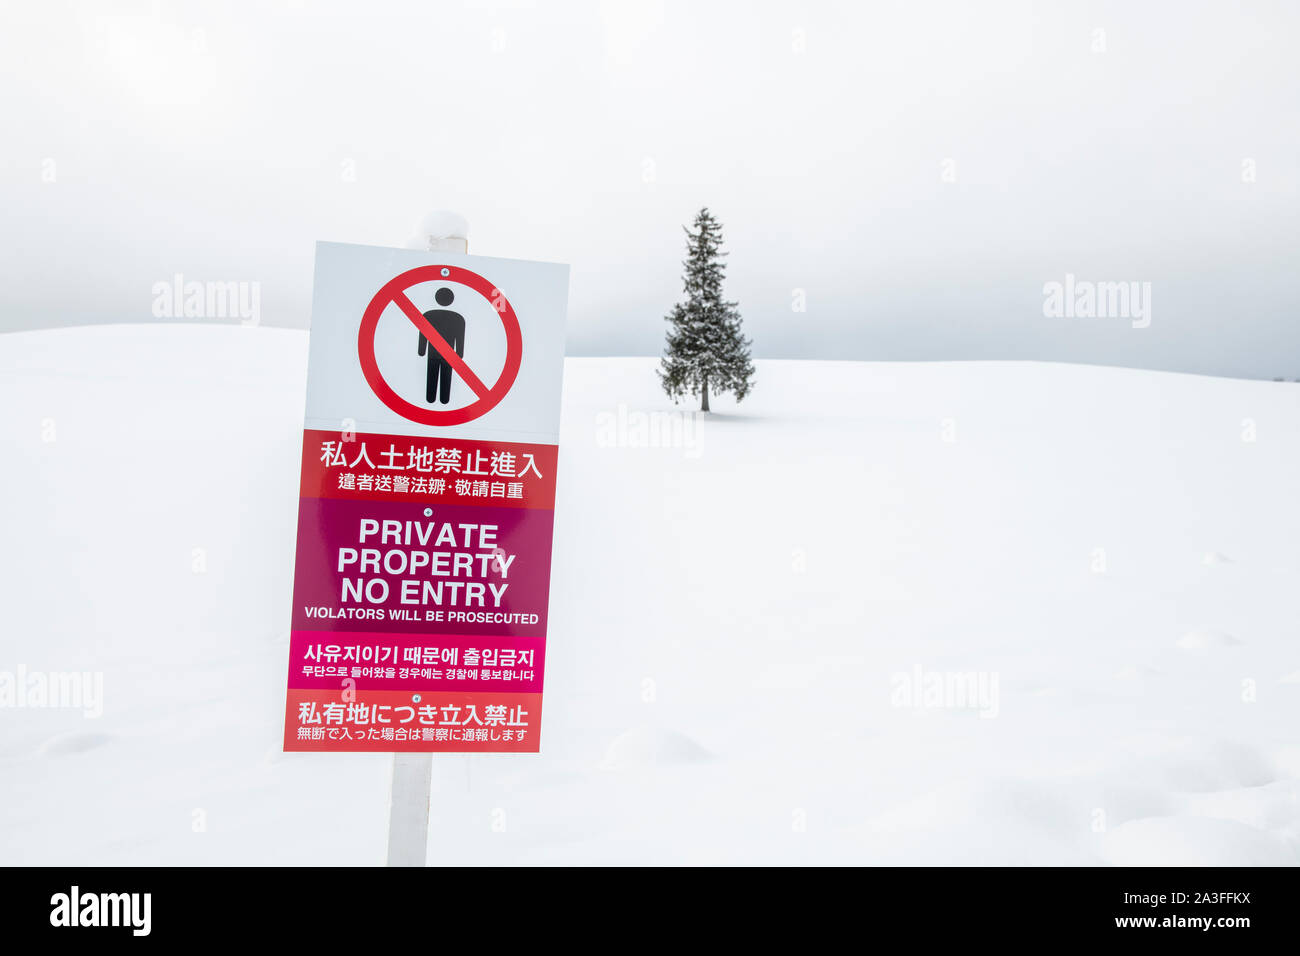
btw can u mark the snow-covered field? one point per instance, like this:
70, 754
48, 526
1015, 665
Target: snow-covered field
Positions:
738, 621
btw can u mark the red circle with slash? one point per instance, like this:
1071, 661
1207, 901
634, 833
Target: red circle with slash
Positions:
394, 293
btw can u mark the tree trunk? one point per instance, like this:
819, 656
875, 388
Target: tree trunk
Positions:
704, 390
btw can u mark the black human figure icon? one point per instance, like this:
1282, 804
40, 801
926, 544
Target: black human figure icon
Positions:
451, 326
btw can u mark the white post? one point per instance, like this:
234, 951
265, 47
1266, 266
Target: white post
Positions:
408, 802
408, 809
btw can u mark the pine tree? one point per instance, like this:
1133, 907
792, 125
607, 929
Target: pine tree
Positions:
705, 348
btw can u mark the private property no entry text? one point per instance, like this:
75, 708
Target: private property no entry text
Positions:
408, 550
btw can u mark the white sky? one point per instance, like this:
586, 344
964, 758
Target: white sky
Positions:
212, 140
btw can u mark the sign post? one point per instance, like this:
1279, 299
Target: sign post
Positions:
408, 809
412, 778
425, 514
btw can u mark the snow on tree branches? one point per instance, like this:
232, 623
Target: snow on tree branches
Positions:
705, 348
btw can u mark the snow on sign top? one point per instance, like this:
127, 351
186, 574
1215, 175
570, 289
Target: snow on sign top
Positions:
415, 343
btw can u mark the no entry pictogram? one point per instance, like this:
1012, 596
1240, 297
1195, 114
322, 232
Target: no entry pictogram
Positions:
394, 292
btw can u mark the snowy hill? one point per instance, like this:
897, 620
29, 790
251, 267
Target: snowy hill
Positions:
932, 613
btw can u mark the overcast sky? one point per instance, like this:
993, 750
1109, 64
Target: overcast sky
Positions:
913, 173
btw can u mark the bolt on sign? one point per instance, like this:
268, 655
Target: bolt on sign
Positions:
427, 502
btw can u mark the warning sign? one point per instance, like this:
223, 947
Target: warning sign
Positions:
426, 503
443, 335
491, 369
